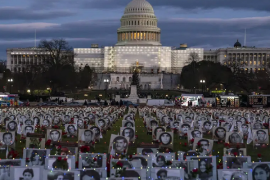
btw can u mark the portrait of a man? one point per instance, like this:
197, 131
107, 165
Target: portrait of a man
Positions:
176, 124
184, 128
67, 119
54, 135
36, 121
96, 130
220, 133
207, 125
80, 123
128, 124
153, 123
262, 136
120, 144
257, 125
88, 136
28, 129
235, 138
245, 129
11, 126
165, 138
128, 132
162, 174
159, 129
90, 175
101, 123
160, 161
8, 138
196, 134
46, 123
204, 145
56, 120
188, 119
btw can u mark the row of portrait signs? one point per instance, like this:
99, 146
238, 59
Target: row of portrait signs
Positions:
47, 157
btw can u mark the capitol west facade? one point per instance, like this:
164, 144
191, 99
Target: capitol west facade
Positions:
138, 45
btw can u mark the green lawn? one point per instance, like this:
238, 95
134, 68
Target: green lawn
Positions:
102, 146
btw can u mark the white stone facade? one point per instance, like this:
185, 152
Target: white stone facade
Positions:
147, 81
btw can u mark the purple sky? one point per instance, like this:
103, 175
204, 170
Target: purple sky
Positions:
208, 24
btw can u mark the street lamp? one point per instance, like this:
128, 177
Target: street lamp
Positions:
202, 82
10, 81
106, 81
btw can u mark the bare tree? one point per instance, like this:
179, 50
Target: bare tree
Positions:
193, 57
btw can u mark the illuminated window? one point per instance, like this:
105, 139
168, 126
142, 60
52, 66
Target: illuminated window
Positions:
153, 36
259, 62
149, 36
225, 55
134, 36
250, 62
242, 62
138, 36
131, 36
144, 37
263, 62
259, 69
254, 63
141, 36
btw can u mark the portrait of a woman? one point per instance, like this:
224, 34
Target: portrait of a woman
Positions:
261, 172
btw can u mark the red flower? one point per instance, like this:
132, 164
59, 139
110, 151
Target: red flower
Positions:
192, 140
130, 156
85, 149
59, 159
40, 139
124, 151
95, 159
58, 147
64, 133
227, 145
199, 144
27, 160
65, 159
119, 164
185, 134
235, 154
195, 170
93, 143
136, 136
259, 155
48, 142
185, 144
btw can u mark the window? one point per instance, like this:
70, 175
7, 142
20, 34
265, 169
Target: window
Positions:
254, 63
225, 55
124, 79
117, 79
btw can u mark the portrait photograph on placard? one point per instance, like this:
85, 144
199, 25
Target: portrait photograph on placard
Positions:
46, 123
56, 120
97, 131
165, 139
127, 164
6, 164
235, 174
101, 123
187, 165
260, 137
206, 126
157, 129
192, 134
94, 160
147, 151
28, 129
86, 136
139, 173
26, 173
205, 147
11, 126
234, 137
35, 157
184, 128
230, 162
54, 134
144, 160
59, 162
204, 163
92, 174
160, 159
260, 170
170, 174
118, 144
80, 124
71, 129
69, 149
233, 151
7, 138
62, 175
126, 123
219, 133
128, 132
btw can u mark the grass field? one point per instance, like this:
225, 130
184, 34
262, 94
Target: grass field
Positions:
102, 146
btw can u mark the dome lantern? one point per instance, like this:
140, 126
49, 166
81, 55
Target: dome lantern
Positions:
237, 44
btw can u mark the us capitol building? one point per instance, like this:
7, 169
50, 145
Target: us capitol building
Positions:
139, 46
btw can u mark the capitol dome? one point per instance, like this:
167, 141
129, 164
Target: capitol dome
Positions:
138, 25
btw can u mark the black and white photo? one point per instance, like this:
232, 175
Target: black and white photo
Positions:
95, 160
11, 126
219, 133
230, 162
71, 129
86, 136
234, 137
167, 174
205, 148
7, 138
128, 132
243, 174
62, 175
165, 138
6, 164
54, 134
26, 173
260, 136
119, 144
35, 157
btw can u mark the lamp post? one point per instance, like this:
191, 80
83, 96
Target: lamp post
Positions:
106, 81
10, 82
202, 82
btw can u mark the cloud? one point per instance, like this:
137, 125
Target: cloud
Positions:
19, 13
205, 33
263, 5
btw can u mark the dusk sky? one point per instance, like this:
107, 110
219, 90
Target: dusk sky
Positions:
209, 24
